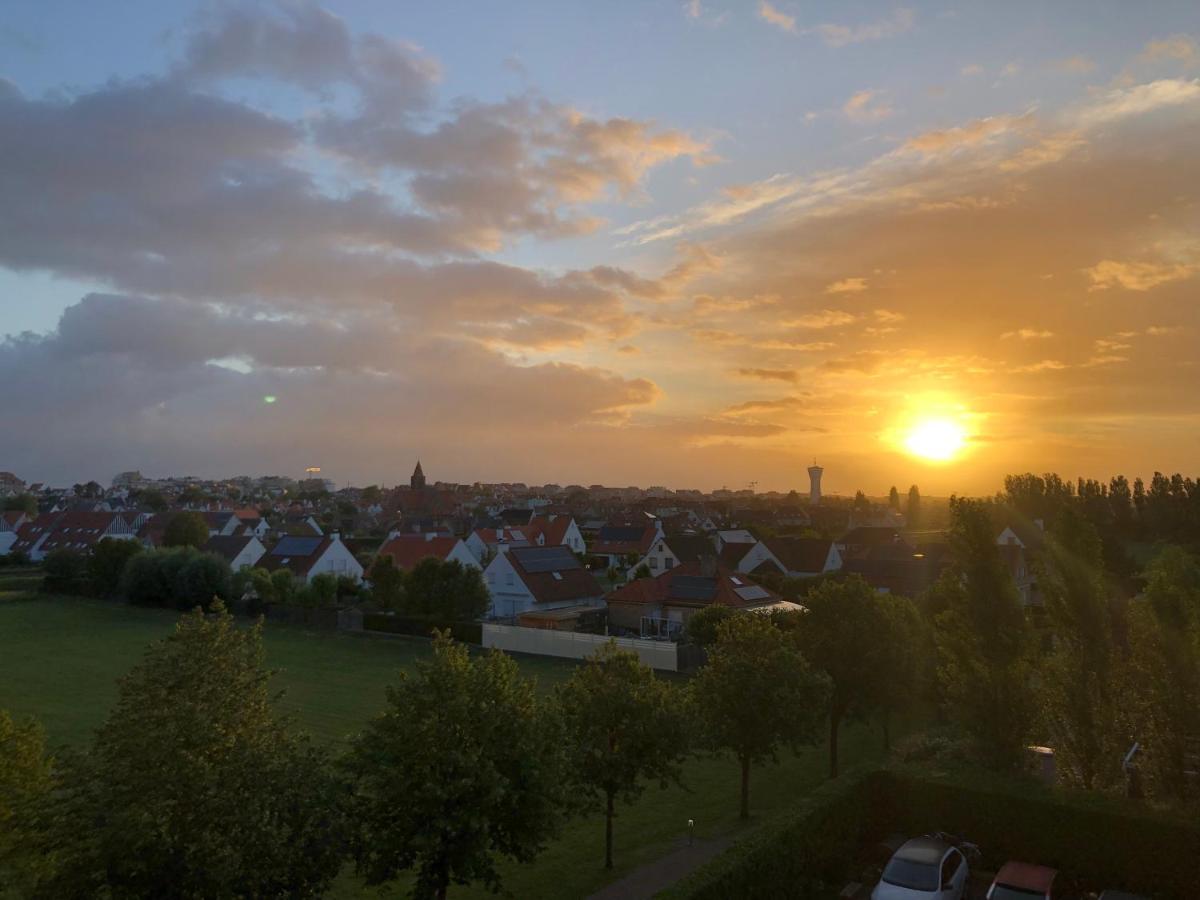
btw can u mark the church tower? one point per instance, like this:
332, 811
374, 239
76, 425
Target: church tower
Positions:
417, 482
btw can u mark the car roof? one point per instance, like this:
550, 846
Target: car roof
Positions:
929, 851
1026, 875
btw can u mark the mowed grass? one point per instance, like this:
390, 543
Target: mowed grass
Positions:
60, 658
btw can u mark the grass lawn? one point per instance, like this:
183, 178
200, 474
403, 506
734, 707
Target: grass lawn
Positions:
60, 658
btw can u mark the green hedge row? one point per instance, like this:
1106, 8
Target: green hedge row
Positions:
423, 626
804, 854
1110, 844
1105, 842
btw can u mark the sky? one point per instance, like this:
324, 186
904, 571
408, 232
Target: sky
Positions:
693, 244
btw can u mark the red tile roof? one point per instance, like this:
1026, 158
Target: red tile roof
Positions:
678, 586
406, 551
571, 581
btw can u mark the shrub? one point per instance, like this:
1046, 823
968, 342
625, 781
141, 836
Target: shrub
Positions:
182, 578
66, 572
107, 563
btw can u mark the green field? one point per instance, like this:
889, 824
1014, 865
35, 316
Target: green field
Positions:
60, 658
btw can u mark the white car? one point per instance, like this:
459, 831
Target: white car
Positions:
923, 869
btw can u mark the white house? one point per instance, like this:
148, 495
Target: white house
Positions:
539, 578
238, 549
793, 556
307, 557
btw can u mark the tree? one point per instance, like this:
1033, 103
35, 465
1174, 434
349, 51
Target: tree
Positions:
153, 500
446, 589
66, 571
107, 563
845, 634
624, 727
462, 767
193, 783
387, 583
702, 625
179, 577
861, 503
894, 499
903, 660
912, 513
25, 784
1165, 673
756, 695
186, 529
1077, 688
26, 503
983, 640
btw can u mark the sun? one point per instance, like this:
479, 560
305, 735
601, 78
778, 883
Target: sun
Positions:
939, 440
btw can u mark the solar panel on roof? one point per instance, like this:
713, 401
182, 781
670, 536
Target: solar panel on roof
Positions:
536, 560
621, 533
296, 546
693, 587
752, 592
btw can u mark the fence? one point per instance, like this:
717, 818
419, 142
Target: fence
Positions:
574, 645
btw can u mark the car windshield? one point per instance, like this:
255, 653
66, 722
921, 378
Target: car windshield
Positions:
913, 875
1004, 892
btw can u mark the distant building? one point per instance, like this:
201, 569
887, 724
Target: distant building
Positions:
814, 484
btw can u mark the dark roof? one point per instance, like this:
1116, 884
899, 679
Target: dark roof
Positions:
928, 851
868, 535
296, 554
800, 554
514, 516
227, 545
688, 585
690, 547
1026, 876
621, 532
553, 574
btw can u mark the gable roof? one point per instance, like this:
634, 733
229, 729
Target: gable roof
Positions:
296, 554
625, 538
800, 554
553, 574
870, 535
688, 585
406, 551
228, 546
690, 547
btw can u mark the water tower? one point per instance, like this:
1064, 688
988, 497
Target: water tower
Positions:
814, 483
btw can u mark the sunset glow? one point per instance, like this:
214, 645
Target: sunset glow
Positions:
938, 440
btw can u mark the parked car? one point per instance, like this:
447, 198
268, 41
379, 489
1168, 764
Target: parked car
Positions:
924, 868
1023, 881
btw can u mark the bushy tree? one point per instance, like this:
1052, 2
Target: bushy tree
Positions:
756, 695
1077, 687
983, 640
846, 634
462, 768
624, 728
25, 784
181, 578
66, 571
186, 529
193, 787
26, 503
702, 625
1165, 674
912, 512
106, 564
446, 589
387, 583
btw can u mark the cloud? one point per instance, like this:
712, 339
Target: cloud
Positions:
773, 16
789, 375
866, 106
974, 133
1027, 334
840, 35
1140, 99
846, 286
1136, 276
826, 318
971, 70
1179, 47
1075, 65
1045, 365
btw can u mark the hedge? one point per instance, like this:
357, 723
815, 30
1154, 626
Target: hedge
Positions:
423, 626
1107, 843
801, 854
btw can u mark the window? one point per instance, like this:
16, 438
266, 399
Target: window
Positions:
950, 866
654, 562
668, 562
508, 578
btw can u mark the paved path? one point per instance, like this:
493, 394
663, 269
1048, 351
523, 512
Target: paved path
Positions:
646, 881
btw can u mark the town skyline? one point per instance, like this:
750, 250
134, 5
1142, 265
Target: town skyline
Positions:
937, 245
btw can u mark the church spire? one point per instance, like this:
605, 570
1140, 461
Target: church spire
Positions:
417, 482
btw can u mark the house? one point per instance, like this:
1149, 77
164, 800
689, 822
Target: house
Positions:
669, 551
250, 521
735, 536
1020, 543
307, 557
72, 530
617, 543
237, 549
542, 531
221, 523
900, 568
406, 550
660, 607
795, 557
528, 579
